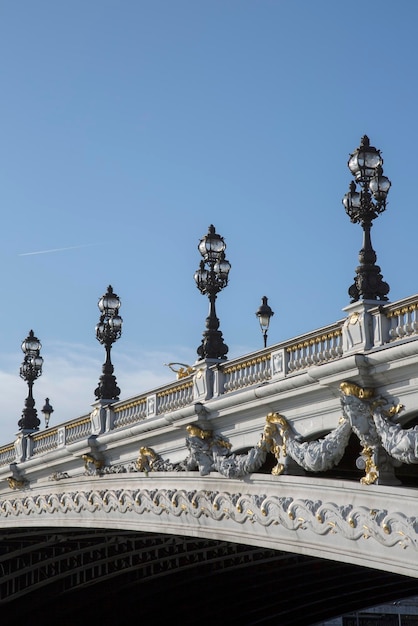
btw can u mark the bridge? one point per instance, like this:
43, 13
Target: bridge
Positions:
279, 487
252, 484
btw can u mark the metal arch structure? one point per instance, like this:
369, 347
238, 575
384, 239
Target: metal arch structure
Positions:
102, 574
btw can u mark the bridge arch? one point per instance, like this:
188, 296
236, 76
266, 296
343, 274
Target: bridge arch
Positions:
74, 575
327, 545
318, 517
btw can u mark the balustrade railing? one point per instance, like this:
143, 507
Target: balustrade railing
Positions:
130, 412
175, 397
403, 318
44, 441
7, 454
389, 323
316, 349
162, 400
247, 371
78, 430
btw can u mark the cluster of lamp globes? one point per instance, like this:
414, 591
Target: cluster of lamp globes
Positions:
365, 163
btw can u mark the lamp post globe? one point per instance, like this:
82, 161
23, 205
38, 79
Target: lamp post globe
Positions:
365, 200
264, 314
30, 370
108, 330
211, 278
47, 410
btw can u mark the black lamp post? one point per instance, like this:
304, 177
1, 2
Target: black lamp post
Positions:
30, 370
211, 278
363, 207
264, 313
47, 410
108, 330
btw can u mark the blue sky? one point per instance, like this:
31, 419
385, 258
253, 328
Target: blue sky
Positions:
129, 126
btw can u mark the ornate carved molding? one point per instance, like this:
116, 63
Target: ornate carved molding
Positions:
388, 528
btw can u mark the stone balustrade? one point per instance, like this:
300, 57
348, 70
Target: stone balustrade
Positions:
127, 413
368, 326
243, 372
75, 430
403, 319
44, 441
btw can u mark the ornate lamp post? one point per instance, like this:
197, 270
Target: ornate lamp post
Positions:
363, 207
264, 313
108, 330
30, 370
211, 278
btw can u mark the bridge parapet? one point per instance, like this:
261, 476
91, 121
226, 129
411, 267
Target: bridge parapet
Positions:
402, 318
365, 331
366, 327
320, 346
75, 430
7, 454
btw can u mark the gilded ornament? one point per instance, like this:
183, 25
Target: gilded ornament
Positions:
90, 460
372, 472
275, 425
146, 459
354, 318
351, 389
196, 431
183, 371
129, 405
15, 483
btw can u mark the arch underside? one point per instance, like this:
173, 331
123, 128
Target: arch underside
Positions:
288, 551
72, 574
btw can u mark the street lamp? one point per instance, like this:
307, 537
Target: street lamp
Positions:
108, 330
30, 370
47, 410
264, 313
363, 207
211, 278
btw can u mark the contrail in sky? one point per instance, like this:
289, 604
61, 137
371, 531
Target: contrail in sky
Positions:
87, 245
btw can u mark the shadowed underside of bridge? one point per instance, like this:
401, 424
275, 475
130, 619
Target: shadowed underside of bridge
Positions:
52, 576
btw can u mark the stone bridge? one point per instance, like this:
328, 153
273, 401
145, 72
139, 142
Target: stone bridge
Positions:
258, 489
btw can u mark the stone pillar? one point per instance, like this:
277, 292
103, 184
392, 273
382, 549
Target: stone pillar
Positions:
21, 444
358, 329
204, 379
101, 417
278, 363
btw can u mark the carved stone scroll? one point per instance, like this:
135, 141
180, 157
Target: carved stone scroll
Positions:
320, 455
399, 443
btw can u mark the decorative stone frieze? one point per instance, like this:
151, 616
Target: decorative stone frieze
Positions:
319, 517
